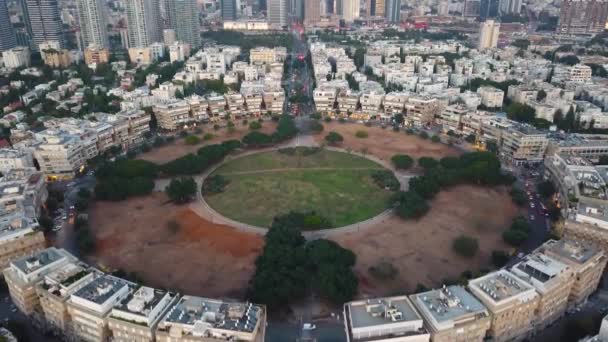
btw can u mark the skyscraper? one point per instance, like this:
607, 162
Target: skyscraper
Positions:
375, 7
183, 19
93, 23
488, 9
471, 8
143, 23
510, 6
582, 16
488, 35
277, 12
43, 22
350, 10
7, 34
228, 9
312, 12
393, 11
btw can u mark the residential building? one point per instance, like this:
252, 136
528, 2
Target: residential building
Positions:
56, 287
178, 52
264, 55
488, 9
489, 31
96, 55
93, 23
421, 110
197, 319
522, 144
8, 39
169, 37
59, 156
136, 317
491, 97
384, 319
375, 8
451, 314
511, 302
582, 17
11, 159
19, 237
23, 274
43, 22
312, 13
53, 55
172, 115
587, 262
553, 281
16, 57
183, 20
140, 55
510, 7
351, 10
580, 73
90, 306
143, 18
471, 8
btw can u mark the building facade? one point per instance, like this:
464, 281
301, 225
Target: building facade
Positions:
143, 18
183, 20
582, 17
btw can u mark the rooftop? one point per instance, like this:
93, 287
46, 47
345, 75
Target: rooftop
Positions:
540, 267
204, 313
449, 303
40, 260
376, 312
575, 251
142, 301
101, 289
500, 285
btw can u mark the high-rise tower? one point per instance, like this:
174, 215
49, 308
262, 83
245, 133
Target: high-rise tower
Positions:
183, 20
93, 22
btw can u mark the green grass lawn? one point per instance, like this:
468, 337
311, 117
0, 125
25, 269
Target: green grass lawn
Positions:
345, 194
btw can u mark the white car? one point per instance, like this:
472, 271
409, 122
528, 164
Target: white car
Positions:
531, 205
309, 326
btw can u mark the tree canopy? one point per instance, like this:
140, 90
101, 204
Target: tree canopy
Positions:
181, 190
402, 161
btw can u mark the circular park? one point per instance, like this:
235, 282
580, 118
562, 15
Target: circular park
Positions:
324, 188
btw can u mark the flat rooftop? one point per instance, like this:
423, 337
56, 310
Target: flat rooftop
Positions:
449, 303
599, 212
101, 289
40, 260
203, 312
500, 285
142, 301
575, 251
381, 311
540, 267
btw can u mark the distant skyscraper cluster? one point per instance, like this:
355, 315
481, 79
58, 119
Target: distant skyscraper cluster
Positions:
8, 39
582, 16
43, 22
93, 23
183, 19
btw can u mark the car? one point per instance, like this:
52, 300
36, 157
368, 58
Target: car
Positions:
531, 217
531, 205
309, 326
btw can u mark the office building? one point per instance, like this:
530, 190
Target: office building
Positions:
521, 144
43, 22
488, 9
23, 274
511, 302
553, 281
351, 10
587, 262
200, 319
8, 39
582, 17
471, 8
451, 314
183, 20
228, 9
312, 12
375, 8
393, 11
277, 12
384, 319
509, 7
143, 22
96, 55
93, 23
489, 31
169, 37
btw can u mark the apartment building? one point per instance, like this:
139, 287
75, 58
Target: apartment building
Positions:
59, 156
274, 101
552, 280
22, 191
134, 319
421, 111
590, 146
450, 118
523, 144
587, 262
384, 319
579, 73
55, 289
590, 225
235, 103
451, 314
217, 106
394, 103
24, 273
90, 306
521, 93
172, 115
491, 97
324, 98
348, 101
19, 237
511, 302
264, 55
96, 55
202, 319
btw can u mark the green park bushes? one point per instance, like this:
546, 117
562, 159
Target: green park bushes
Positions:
290, 267
386, 180
181, 190
518, 232
125, 178
402, 161
214, 185
205, 157
286, 129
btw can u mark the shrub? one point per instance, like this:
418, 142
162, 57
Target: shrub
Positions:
423, 135
361, 134
386, 180
428, 163
435, 139
315, 116
214, 185
514, 237
192, 140
410, 205
334, 138
500, 258
316, 127
465, 246
327, 119
208, 136
216, 127
402, 161
255, 125
181, 190
384, 270
342, 120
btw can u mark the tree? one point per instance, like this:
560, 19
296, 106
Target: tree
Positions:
569, 60
521, 112
514, 237
518, 196
256, 139
334, 138
500, 258
542, 94
402, 161
427, 163
521, 43
569, 122
255, 125
435, 139
181, 190
423, 135
471, 138
46, 223
465, 246
410, 205
192, 140
546, 189
316, 127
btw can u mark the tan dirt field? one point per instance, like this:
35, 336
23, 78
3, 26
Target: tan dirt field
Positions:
384, 143
422, 250
180, 148
201, 258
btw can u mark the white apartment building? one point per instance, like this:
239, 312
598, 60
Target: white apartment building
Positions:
199, 319
59, 156
488, 35
580, 73
172, 115
15, 159
178, 52
384, 319
16, 57
264, 55
491, 97
451, 117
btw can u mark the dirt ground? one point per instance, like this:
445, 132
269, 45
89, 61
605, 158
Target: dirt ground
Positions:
384, 143
180, 148
422, 250
200, 258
